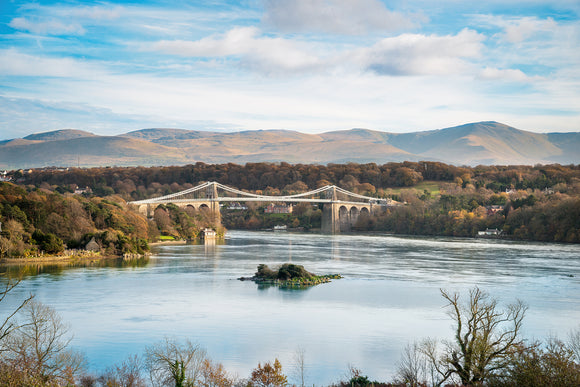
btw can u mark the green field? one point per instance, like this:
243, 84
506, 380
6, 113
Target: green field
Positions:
166, 238
432, 186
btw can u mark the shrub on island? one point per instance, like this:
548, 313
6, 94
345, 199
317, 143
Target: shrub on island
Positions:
289, 275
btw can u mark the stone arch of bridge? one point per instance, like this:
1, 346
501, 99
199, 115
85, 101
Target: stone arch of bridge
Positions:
353, 214
161, 207
343, 219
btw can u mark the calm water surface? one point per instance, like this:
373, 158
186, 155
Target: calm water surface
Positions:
388, 298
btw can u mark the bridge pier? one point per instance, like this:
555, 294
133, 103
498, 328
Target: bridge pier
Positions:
340, 217
330, 216
145, 210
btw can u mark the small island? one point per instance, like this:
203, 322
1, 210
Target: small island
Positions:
289, 276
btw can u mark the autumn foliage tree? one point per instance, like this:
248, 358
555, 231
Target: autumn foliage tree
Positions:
37, 221
268, 375
214, 375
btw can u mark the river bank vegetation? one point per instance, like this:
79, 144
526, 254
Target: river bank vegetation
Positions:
40, 224
486, 350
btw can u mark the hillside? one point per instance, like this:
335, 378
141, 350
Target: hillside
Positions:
481, 143
470, 144
86, 151
57, 135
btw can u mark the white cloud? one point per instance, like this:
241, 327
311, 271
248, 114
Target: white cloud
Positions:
59, 20
494, 74
523, 28
350, 17
16, 63
520, 29
94, 13
414, 54
264, 54
540, 47
46, 27
407, 54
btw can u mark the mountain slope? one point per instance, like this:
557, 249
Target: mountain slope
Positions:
482, 143
57, 135
87, 151
470, 144
477, 143
568, 143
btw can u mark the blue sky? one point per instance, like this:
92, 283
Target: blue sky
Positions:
110, 67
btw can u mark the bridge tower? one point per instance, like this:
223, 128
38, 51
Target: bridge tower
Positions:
214, 204
330, 213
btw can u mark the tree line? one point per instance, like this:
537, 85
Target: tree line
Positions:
534, 215
135, 183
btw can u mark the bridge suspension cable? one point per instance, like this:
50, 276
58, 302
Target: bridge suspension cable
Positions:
174, 195
342, 190
206, 185
238, 192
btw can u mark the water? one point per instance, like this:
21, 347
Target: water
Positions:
388, 298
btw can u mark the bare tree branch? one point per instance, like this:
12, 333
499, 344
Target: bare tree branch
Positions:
484, 337
8, 325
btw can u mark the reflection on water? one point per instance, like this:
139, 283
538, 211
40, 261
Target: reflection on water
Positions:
22, 270
389, 296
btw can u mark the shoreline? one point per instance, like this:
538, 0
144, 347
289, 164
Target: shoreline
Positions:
174, 242
54, 259
65, 259
82, 257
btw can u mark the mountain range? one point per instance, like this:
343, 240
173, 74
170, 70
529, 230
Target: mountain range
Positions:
470, 144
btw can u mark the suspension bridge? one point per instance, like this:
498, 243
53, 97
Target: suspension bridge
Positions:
341, 208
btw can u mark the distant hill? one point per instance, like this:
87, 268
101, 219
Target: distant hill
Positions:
483, 143
470, 144
86, 151
57, 135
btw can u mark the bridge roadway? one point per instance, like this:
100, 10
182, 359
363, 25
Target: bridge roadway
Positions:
272, 199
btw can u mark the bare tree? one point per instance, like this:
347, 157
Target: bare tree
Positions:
299, 370
127, 374
172, 363
574, 343
412, 368
8, 325
485, 336
40, 346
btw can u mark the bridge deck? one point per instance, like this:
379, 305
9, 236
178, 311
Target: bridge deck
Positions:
272, 200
